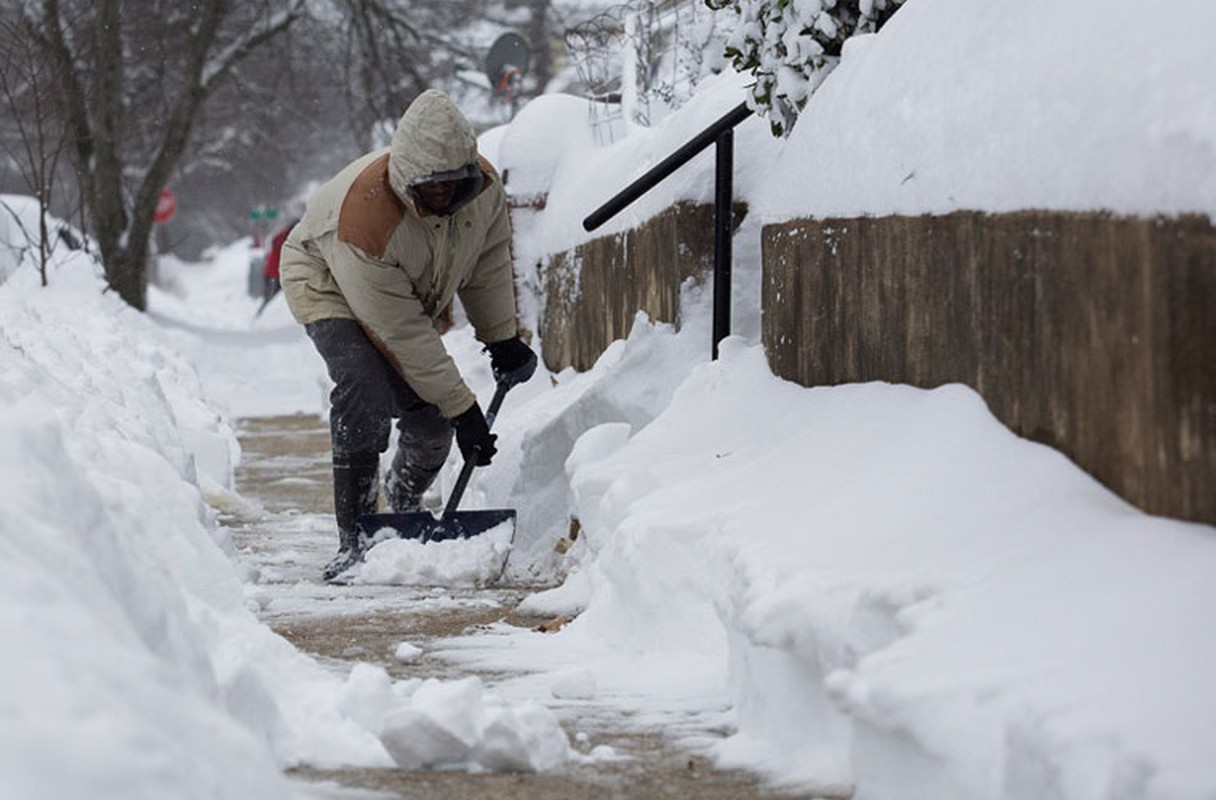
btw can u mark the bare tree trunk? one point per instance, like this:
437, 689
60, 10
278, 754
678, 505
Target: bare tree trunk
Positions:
88, 50
106, 198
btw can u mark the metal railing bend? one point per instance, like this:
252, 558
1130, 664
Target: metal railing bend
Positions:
721, 134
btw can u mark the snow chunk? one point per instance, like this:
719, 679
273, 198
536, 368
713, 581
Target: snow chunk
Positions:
573, 683
454, 724
407, 653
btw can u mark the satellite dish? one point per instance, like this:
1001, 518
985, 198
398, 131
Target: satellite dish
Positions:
507, 63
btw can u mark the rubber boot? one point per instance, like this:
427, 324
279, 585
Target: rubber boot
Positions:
356, 492
407, 481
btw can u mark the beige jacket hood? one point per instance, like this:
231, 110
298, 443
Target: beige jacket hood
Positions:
365, 251
431, 137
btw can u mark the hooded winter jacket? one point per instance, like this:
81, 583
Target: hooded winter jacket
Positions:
365, 250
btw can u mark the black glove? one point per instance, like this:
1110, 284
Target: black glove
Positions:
473, 436
512, 361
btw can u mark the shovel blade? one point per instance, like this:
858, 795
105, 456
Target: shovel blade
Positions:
425, 527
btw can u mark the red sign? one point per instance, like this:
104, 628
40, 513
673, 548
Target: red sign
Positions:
166, 204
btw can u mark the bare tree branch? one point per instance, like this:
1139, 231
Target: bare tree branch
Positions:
27, 91
101, 84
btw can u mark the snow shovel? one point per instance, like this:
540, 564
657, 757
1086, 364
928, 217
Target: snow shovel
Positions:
452, 524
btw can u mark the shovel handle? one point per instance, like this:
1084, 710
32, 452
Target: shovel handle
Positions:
466, 471
496, 403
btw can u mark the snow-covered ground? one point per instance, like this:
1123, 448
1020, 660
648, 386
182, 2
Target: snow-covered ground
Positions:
887, 590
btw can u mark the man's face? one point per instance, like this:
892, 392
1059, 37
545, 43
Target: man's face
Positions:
445, 193
436, 194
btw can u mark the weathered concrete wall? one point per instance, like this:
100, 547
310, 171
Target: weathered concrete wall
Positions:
1092, 333
594, 293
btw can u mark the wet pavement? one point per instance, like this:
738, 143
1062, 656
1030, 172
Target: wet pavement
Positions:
285, 532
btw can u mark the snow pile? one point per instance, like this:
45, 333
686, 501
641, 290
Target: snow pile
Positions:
477, 561
631, 383
955, 608
897, 596
432, 724
530, 152
122, 617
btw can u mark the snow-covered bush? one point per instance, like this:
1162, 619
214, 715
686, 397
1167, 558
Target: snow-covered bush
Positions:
792, 45
42, 242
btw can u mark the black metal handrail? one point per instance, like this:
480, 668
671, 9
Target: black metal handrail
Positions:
721, 134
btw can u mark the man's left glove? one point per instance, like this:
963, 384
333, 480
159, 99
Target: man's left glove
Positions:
512, 361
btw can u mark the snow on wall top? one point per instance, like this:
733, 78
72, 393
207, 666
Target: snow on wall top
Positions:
1083, 105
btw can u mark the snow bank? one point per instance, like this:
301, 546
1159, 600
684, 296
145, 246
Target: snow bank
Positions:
631, 383
902, 598
121, 614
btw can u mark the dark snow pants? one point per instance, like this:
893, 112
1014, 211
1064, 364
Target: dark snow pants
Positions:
368, 395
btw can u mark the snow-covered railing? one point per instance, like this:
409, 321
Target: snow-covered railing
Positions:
721, 134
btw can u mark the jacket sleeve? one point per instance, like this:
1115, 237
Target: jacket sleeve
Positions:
382, 298
488, 295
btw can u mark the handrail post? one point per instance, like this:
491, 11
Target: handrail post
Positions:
724, 168
721, 134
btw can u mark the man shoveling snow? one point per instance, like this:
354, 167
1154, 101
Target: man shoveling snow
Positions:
371, 272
